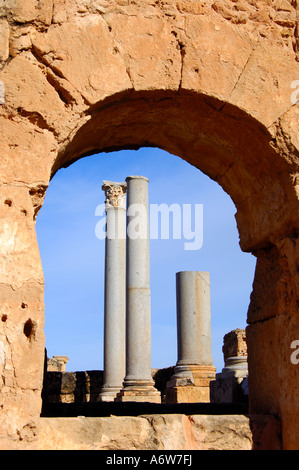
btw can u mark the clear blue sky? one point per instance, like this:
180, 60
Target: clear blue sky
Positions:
73, 257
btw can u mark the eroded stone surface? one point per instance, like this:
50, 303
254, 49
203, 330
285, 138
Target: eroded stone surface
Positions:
234, 344
159, 432
209, 81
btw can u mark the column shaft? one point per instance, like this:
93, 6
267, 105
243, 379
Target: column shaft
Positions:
138, 383
115, 291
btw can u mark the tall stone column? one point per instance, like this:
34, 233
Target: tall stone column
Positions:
138, 383
194, 369
115, 290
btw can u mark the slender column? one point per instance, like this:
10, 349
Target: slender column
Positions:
195, 365
115, 290
138, 383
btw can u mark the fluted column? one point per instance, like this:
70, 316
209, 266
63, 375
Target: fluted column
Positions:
115, 290
138, 383
194, 369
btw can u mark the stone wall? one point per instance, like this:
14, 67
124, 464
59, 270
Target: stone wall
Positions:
230, 386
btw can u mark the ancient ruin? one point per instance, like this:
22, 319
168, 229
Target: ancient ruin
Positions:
138, 384
165, 429
127, 332
214, 82
194, 369
57, 363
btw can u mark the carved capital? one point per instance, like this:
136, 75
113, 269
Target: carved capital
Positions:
115, 194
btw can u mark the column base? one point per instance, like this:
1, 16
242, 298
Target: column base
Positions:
141, 392
190, 384
231, 385
108, 394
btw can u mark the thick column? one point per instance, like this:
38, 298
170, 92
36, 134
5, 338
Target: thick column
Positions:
138, 383
194, 369
115, 290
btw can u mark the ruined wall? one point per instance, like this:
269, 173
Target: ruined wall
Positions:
210, 81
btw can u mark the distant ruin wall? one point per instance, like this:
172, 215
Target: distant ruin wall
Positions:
214, 82
85, 386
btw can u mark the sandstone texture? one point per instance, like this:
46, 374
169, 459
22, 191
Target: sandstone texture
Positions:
85, 386
210, 81
234, 344
159, 432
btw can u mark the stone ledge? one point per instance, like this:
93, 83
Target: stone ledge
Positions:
160, 432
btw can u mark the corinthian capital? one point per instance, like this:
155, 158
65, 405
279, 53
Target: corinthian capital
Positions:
115, 194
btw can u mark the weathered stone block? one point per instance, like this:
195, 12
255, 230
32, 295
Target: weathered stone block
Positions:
4, 41
119, 74
234, 344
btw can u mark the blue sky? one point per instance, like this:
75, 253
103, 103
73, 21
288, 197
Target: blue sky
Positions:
73, 257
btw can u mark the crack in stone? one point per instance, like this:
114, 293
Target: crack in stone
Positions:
55, 78
64, 94
182, 49
118, 47
36, 118
183, 53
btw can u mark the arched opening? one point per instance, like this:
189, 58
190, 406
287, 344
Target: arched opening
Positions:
73, 257
202, 131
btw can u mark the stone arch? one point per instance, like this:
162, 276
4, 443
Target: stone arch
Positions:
193, 78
